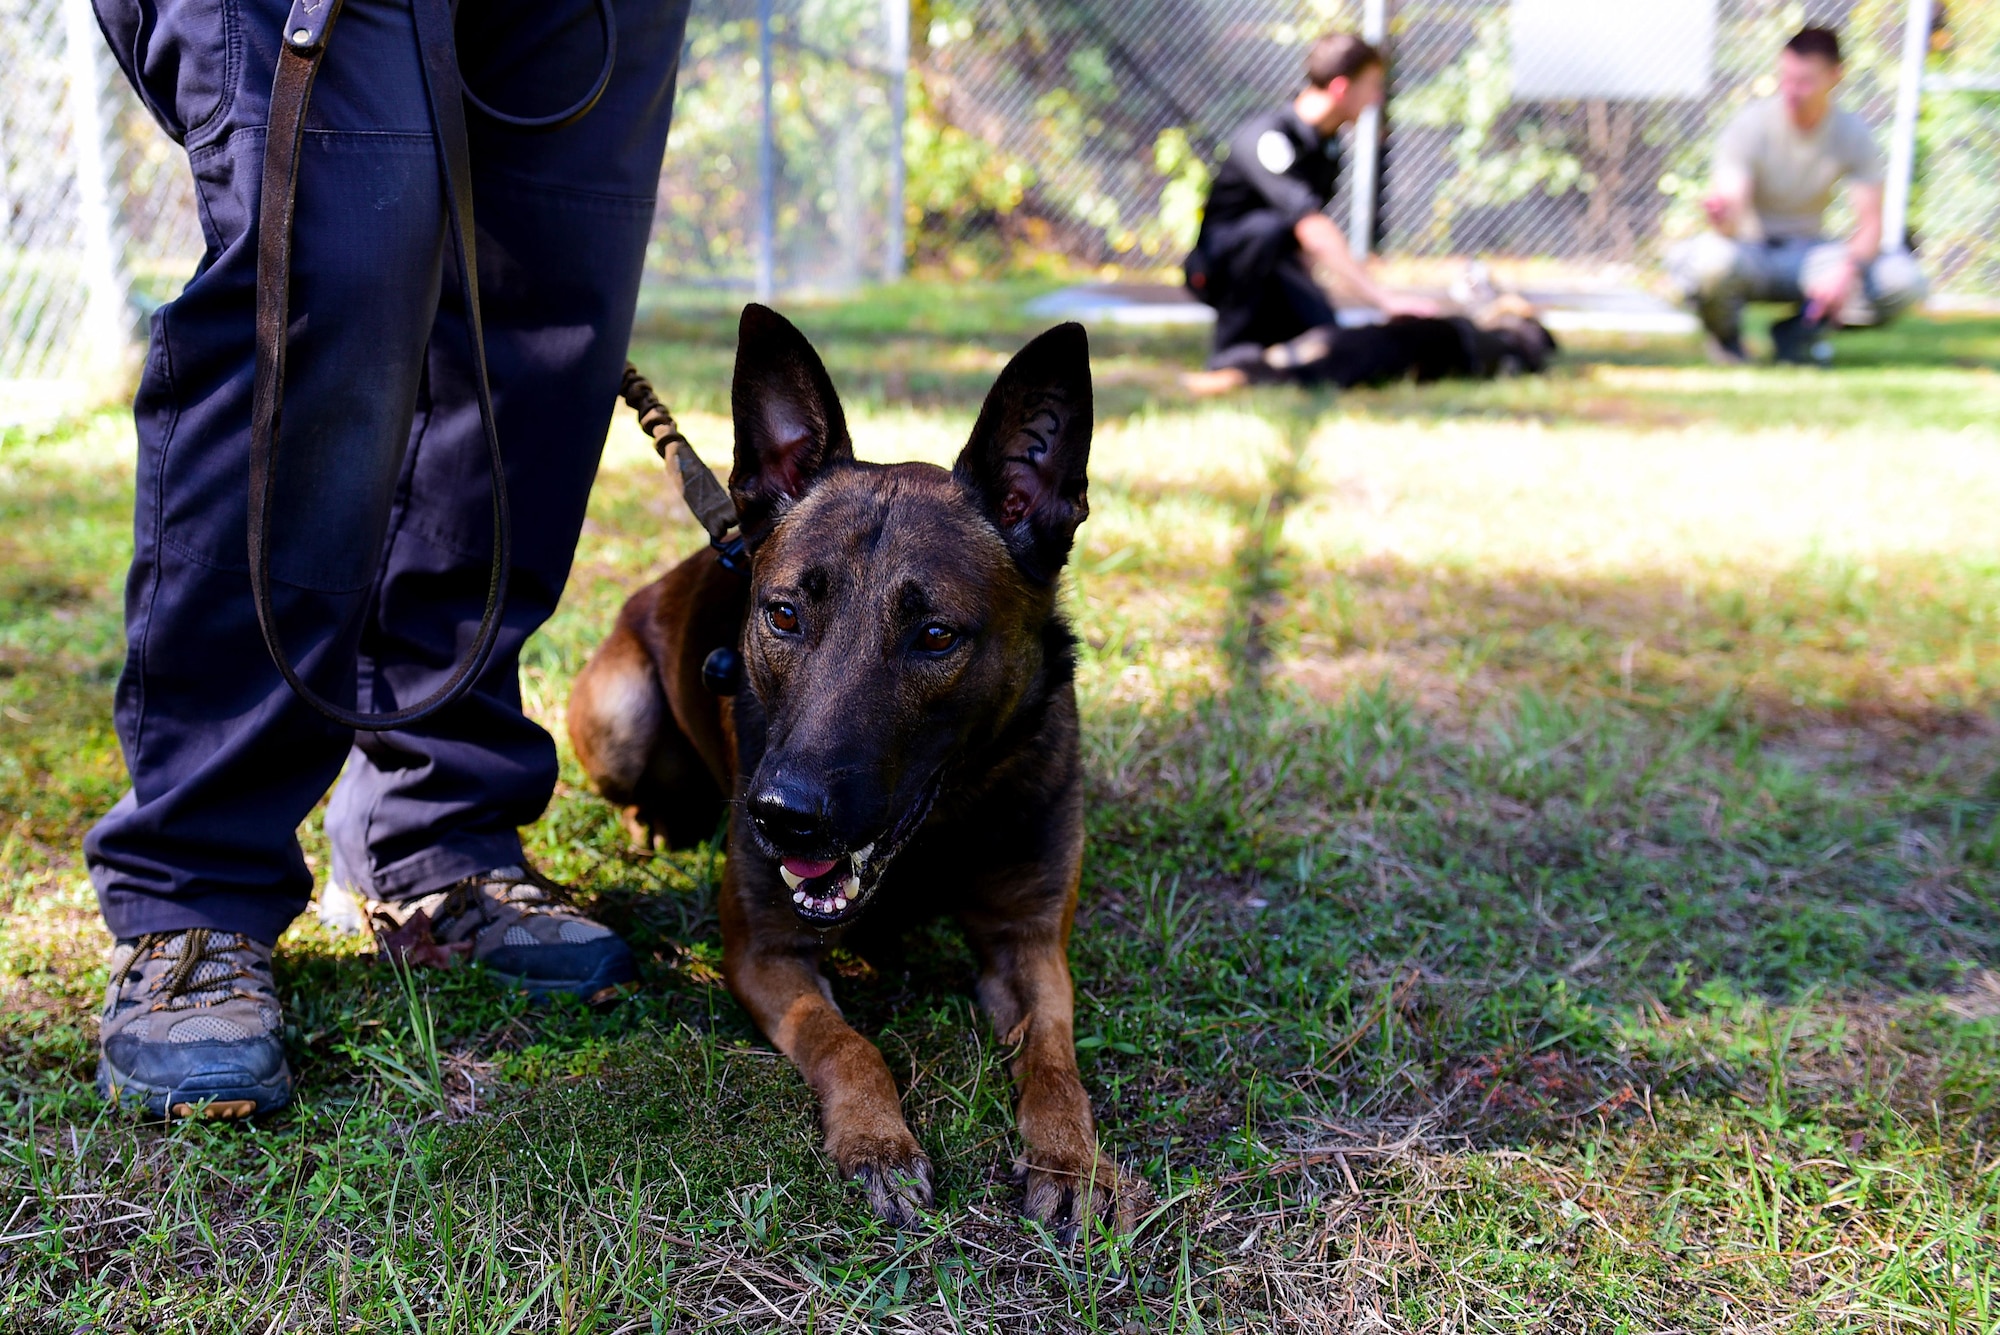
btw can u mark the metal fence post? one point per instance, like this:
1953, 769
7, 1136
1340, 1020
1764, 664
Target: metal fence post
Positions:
106, 334
1903, 132
767, 166
1367, 145
896, 43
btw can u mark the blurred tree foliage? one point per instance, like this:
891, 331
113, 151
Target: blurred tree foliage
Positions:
832, 138
1080, 133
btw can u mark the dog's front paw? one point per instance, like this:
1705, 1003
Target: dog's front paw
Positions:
1066, 1189
896, 1176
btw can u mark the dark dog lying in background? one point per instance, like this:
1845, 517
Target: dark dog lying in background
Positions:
904, 743
1412, 348
1505, 339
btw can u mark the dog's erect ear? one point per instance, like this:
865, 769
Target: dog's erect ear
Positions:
1030, 448
789, 425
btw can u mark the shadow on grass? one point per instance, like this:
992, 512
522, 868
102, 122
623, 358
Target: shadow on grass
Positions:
1891, 642
1469, 912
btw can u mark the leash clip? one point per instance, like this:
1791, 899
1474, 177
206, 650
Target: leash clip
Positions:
305, 27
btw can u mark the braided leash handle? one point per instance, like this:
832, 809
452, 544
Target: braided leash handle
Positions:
699, 489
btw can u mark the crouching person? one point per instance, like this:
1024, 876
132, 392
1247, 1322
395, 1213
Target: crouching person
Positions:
1265, 228
1777, 166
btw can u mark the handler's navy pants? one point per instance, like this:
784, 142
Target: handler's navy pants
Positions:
382, 524
1263, 292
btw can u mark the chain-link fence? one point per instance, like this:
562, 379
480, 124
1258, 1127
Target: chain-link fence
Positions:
1103, 117
1035, 134
1955, 196
100, 223
97, 219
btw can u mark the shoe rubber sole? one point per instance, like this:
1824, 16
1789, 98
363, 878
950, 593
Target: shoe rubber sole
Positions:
603, 985
216, 1100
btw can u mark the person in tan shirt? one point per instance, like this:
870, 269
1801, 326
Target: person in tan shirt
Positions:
1777, 166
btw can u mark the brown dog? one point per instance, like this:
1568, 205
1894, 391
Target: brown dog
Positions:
904, 745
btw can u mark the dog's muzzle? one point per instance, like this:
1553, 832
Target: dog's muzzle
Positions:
829, 890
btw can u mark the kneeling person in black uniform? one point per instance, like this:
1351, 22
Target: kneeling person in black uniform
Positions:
1264, 230
1265, 225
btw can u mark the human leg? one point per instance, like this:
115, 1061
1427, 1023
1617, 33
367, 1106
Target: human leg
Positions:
1294, 302
225, 762
1266, 295
1890, 283
1713, 274
1893, 284
563, 219
198, 867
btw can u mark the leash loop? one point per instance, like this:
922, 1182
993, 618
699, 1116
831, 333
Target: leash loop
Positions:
577, 110
307, 29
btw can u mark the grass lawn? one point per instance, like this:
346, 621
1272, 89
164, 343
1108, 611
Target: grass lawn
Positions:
1542, 876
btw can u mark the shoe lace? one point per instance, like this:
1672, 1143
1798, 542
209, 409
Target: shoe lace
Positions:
200, 946
461, 906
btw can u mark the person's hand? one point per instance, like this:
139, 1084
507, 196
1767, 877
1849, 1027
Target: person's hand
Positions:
1827, 293
1721, 211
1409, 303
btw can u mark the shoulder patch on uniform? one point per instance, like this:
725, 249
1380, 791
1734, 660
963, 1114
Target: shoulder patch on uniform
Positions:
1275, 151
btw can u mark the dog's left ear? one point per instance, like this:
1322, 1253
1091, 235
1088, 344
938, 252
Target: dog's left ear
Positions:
1029, 450
789, 426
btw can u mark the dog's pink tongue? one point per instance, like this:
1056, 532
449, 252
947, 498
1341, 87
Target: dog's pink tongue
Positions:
805, 870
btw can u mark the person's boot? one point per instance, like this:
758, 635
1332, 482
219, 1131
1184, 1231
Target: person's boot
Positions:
515, 922
1798, 341
191, 1027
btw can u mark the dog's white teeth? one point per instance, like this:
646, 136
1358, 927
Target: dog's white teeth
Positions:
853, 887
832, 904
791, 879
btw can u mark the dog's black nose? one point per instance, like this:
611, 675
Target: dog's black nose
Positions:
790, 814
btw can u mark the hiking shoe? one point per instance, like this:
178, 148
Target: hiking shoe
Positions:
512, 920
1797, 341
191, 1027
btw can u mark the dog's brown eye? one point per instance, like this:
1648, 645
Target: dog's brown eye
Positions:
935, 639
784, 618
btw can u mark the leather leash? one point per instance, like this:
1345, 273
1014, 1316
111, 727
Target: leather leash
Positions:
299, 58
307, 29
303, 49
702, 493
722, 668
